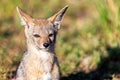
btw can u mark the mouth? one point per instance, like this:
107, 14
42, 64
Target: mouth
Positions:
43, 48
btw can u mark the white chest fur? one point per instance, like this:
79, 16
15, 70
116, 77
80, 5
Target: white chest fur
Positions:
44, 60
43, 55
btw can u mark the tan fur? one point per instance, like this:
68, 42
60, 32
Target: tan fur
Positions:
39, 61
39, 22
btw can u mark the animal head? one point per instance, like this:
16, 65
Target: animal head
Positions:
41, 33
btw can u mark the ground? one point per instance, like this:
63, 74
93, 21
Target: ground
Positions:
88, 43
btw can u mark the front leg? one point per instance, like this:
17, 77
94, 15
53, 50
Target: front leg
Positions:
19, 75
56, 72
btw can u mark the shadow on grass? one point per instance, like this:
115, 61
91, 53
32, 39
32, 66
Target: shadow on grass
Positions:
107, 68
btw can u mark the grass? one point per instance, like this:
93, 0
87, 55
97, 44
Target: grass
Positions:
90, 51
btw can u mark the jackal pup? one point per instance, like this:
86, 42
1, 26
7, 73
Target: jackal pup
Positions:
39, 61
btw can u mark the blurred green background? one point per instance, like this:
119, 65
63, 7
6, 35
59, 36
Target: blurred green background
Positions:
88, 43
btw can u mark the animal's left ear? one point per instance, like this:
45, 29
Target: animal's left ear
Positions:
57, 18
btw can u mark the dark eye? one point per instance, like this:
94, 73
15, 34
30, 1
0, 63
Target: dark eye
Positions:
50, 35
36, 35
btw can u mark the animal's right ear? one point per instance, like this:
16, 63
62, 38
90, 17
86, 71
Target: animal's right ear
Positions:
25, 18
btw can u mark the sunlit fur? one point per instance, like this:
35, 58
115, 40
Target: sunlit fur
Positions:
39, 62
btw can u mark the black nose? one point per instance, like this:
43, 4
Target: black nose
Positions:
46, 45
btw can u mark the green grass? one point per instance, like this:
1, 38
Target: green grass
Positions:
88, 43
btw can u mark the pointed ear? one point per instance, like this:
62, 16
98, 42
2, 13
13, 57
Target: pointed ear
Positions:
57, 18
25, 18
